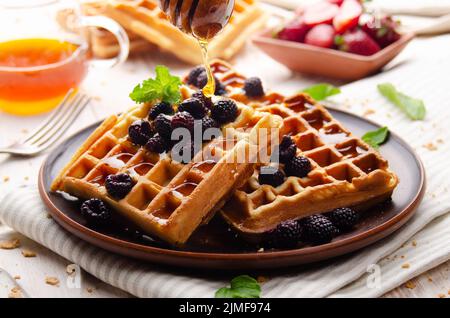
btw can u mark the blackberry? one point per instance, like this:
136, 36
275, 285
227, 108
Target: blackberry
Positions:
183, 120
319, 229
203, 80
298, 167
253, 87
271, 176
157, 144
286, 234
194, 106
344, 218
194, 74
160, 108
163, 126
118, 185
221, 89
224, 111
287, 149
206, 100
95, 212
208, 122
140, 132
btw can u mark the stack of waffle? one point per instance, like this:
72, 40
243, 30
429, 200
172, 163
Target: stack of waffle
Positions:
170, 200
144, 20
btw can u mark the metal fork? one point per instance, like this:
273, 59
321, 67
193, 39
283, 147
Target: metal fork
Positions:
53, 128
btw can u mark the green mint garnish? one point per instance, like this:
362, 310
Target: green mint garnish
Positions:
164, 87
240, 287
377, 137
322, 91
414, 108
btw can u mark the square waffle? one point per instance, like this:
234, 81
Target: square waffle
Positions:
346, 171
169, 199
103, 43
144, 18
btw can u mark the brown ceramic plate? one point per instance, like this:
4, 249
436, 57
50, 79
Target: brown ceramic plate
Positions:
213, 246
328, 62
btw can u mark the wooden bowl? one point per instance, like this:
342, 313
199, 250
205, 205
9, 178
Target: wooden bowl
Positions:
336, 64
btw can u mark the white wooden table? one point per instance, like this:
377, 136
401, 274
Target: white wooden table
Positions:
110, 91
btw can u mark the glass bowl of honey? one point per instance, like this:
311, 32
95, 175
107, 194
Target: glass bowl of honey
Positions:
44, 52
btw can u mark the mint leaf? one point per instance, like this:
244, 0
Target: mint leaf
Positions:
164, 87
377, 137
322, 91
225, 292
414, 108
242, 286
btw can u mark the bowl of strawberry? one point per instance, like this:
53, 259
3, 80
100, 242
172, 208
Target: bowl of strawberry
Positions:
335, 38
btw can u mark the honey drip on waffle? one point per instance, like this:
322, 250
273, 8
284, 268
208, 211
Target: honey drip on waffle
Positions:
202, 19
210, 87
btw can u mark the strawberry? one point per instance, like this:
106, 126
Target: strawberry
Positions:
383, 30
320, 13
358, 42
321, 35
338, 2
294, 31
348, 16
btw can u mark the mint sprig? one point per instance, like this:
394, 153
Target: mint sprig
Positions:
322, 91
414, 108
165, 87
377, 137
242, 286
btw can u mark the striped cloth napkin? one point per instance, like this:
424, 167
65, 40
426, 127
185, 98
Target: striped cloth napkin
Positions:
423, 242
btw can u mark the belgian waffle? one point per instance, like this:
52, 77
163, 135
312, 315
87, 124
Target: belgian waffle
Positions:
169, 199
346, 172
103, 43
144, 18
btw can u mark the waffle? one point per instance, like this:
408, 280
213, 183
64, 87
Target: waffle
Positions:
169, 199
346, 172
144, 18
103, 43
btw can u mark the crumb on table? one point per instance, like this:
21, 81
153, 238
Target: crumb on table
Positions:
53, 281
15, 292
28, 253
406, 265
368, 112
410, 285
10, 244
430, 146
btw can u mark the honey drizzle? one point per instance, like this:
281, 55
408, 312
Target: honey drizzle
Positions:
210, 87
